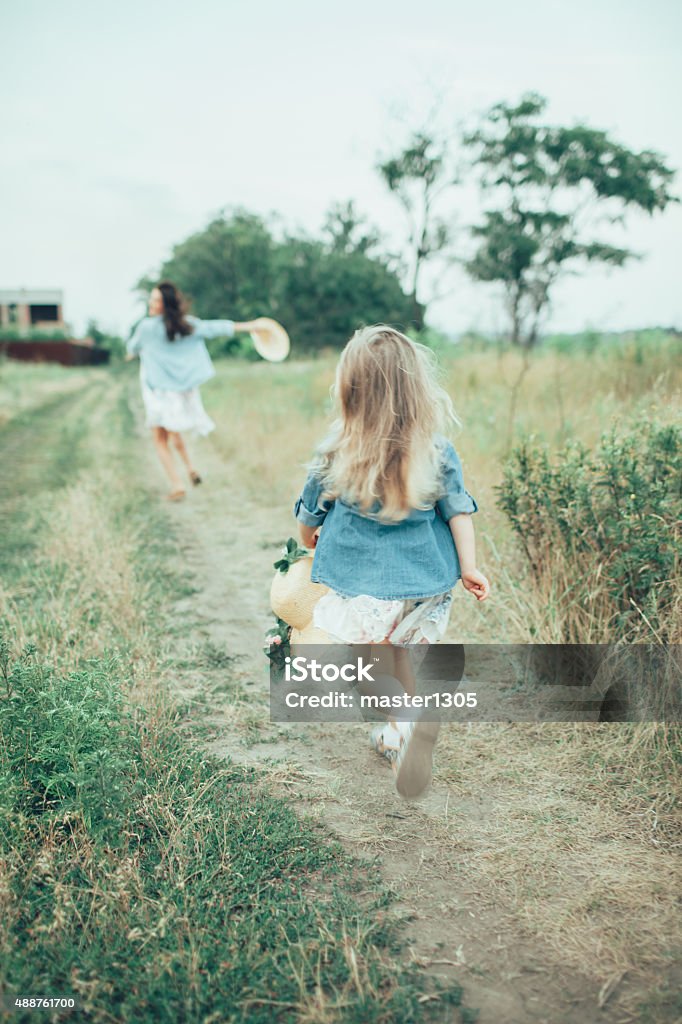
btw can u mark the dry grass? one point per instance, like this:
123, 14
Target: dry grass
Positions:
551, 607
575, 838
89, 594
24, 386
578, 837
90, 587
270, 418
208, 895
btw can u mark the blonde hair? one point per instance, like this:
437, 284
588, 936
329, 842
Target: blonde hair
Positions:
382, 446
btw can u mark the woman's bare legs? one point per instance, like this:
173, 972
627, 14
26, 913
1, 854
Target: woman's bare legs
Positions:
160, 437
178, 443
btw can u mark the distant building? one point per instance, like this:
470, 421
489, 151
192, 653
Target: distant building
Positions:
32, 328
37, 310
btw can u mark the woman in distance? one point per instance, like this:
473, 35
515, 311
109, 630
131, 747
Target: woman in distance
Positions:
175, 362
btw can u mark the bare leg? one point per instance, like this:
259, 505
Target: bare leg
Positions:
409, 738
393, 674
403, 669
178, 443
160, 437
413, 765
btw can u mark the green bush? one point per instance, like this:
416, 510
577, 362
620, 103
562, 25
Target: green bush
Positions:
584, 343
238, 347
434, 339
607, 521
114, 344
33, 334
637, 346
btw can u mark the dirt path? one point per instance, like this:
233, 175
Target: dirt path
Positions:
455, 923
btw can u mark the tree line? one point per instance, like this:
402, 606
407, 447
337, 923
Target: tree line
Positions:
548, 194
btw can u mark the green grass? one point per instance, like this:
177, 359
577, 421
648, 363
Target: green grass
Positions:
149, 878
149, 881
121, 838
24, 386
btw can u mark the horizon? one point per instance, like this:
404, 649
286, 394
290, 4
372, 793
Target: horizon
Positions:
129, 132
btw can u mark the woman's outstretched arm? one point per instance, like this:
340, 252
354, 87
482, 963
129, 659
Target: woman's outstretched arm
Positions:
226, 328
244, 326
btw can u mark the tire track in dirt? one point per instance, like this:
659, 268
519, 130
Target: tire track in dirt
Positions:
454, 926
40, 442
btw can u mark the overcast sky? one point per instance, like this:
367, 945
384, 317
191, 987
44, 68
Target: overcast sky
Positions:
127, 126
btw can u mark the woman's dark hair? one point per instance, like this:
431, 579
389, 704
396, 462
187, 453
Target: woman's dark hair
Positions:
174, 310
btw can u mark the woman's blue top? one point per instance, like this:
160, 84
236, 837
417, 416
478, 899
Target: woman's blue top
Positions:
181, 364
412, 559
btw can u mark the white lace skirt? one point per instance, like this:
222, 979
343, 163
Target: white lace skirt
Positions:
370, 620
178, 411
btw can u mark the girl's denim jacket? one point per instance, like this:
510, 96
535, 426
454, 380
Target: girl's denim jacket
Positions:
409, 560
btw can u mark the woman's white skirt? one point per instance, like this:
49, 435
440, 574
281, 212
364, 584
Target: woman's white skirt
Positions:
178, 411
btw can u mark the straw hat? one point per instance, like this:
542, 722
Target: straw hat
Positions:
310, 635
270, 339
293, 596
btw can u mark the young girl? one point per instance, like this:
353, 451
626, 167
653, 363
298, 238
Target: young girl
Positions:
387, 489
174, 362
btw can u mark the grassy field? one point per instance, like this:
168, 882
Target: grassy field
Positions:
156, 882
137, 875
270, 418
24, 386
593, 780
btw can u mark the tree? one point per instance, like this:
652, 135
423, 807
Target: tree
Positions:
111, 342
348, 231
225, 267
418, 176
326, 294
550, 183
321, 290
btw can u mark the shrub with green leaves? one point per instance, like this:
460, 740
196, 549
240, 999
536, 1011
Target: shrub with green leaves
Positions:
609, 524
